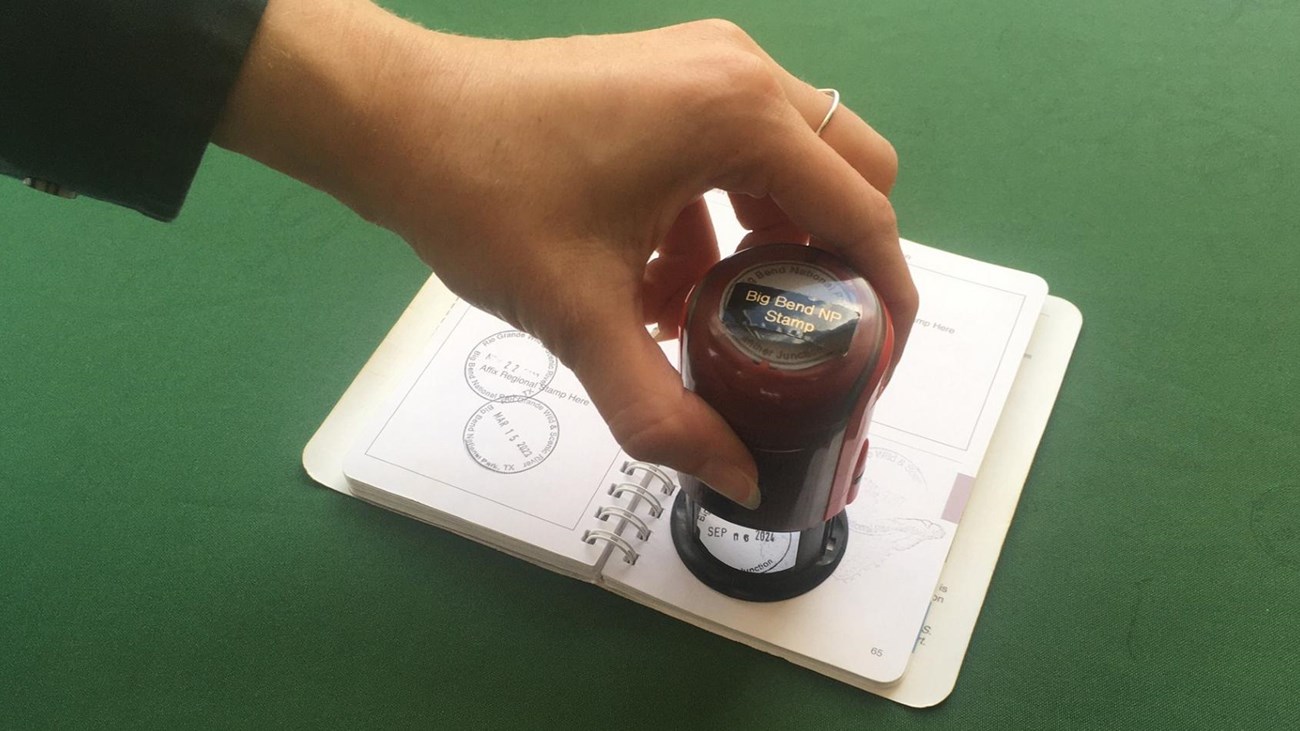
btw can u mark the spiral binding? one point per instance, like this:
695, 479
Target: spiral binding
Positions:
618, 489
629, 468
640, 495
642, 530
600, 534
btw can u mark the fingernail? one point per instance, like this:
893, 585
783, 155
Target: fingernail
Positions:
731, 482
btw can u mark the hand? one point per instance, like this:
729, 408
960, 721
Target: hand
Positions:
538, 177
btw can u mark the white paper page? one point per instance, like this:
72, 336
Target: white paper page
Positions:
965, 347
928, 437
493, 433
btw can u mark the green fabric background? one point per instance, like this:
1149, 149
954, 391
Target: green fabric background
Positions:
164, 561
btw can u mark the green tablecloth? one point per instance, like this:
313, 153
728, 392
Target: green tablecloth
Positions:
164, 559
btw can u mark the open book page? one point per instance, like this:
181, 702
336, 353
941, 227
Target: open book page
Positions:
491, 437
959, 594
928, 438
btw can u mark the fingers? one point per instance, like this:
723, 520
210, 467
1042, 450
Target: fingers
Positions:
856, 141
651, 414
824, 195
766, 222
689, 249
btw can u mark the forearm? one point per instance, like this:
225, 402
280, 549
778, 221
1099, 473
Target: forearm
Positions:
321, 96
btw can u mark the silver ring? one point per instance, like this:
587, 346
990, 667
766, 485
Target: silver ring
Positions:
834, 94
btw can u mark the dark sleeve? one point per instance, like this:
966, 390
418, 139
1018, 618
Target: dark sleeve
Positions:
116, 99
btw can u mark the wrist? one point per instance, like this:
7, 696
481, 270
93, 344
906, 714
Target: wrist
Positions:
313, 99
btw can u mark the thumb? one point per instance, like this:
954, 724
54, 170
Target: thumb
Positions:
653, 417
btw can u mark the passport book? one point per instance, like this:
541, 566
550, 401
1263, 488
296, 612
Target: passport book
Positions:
460, 421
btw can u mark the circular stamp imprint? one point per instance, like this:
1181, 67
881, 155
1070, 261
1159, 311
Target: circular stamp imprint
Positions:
509, 364
512, 434
879, 529
889, 478
746, 549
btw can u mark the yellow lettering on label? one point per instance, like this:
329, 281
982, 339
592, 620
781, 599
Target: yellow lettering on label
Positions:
789, 304
791, 322
829, 315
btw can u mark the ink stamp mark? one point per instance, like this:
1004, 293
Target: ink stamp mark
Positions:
509, 363
511, 434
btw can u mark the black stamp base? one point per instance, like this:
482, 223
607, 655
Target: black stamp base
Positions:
830, 541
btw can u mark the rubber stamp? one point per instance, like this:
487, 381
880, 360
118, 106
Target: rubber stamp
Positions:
791, 346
